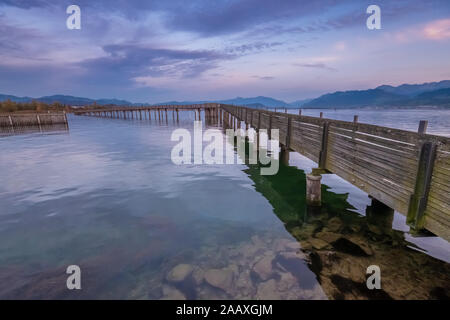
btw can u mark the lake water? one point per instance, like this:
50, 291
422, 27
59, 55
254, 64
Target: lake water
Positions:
105, 196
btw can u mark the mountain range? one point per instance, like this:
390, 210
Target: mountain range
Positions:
405, 95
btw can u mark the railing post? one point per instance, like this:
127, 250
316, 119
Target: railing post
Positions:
418, 200
323, 149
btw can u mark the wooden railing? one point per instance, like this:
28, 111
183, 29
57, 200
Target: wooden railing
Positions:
408, 171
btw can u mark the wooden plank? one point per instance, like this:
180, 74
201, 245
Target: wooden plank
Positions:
378, 193
394, 144
385, 163
404, 156
437, 227
399, 190
382, 155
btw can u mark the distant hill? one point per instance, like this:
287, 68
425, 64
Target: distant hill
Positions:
410, 95
427, 94
412, 90
265, 101
69, 100
355, 98
4, 97
299, 103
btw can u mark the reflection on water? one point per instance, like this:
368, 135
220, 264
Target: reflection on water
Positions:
107, 198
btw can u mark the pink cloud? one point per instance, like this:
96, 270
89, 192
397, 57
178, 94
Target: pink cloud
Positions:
437, 30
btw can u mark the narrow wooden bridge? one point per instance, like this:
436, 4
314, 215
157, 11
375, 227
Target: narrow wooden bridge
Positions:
155, 112
407, 171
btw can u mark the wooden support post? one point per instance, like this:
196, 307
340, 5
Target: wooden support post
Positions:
299, 112
284, 155
285, 110
270, 126
177, 116
313, 190
159, 114
288, 133
321, 115
323, 151
419, 199
11, 123
166, 113
140, 115
380, 215
355, 119
39, 122
259, 120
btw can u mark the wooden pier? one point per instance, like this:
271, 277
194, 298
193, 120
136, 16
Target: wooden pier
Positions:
160, 113
18, 122
407, 171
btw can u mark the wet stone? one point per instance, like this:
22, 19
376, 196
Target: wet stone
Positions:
171, 293
220, 278
318, 244
268, 291
328, 236
335, 224
179, 273
263, 268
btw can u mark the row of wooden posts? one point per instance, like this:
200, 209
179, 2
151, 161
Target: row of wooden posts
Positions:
211, 114
19, 122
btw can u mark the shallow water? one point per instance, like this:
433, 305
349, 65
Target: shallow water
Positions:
106, 196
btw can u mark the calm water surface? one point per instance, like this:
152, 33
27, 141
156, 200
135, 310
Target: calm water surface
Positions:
106, 196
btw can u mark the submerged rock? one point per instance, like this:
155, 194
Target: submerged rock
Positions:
354, 246
263, 268
328, 236
220, 278
318, 244
170, 293
334, 224
268, 291
179, 273
286, 282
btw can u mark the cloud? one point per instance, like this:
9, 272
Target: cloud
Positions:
264, 78
437, 30
132, 61
252, 47
315, 66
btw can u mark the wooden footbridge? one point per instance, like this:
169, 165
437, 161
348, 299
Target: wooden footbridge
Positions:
407, 171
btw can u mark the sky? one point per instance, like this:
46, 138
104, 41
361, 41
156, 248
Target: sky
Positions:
164, 50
